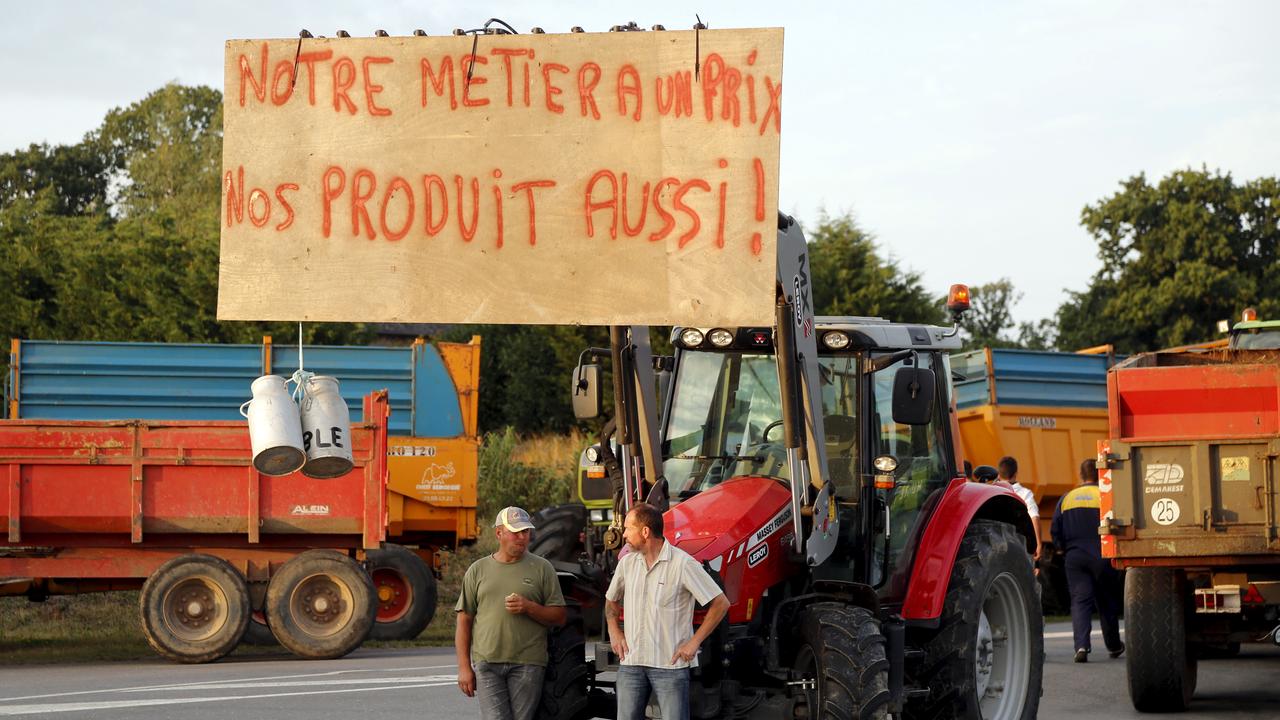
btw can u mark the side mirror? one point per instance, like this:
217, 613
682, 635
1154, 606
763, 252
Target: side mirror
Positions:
913, 392
586, 392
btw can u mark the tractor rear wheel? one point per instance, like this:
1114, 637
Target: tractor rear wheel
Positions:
564, 685
321, 605
194, 608
406, 591
557, 533
842, 653
1161, 668
986, 660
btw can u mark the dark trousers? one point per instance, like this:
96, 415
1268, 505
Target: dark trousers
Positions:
1093, 583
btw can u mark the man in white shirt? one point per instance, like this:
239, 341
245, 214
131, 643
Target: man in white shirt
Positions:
1008, 469
655, 587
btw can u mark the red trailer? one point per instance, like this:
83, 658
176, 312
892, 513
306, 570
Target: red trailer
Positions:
178, 509
1188, 492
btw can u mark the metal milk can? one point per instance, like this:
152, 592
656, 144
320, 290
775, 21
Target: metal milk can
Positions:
274, 429
326, 429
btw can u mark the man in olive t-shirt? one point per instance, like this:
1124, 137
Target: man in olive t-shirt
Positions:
508, 601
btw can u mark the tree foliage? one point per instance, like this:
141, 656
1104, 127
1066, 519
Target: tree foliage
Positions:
1176, 257
851, 278
989, 321
116, 237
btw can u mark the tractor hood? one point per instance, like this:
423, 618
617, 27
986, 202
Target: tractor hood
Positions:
730, 518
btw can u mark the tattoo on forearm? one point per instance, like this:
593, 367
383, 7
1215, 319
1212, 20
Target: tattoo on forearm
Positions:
611, 611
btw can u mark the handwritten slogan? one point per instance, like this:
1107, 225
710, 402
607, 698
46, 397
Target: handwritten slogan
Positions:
619, 178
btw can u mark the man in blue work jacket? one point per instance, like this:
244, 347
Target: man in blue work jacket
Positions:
1091, 579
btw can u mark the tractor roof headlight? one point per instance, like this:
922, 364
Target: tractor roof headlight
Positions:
593, 454
836, 340
691, 337
721, 338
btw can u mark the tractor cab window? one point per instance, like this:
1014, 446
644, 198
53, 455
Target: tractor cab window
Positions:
840, 377
1258, 339
725, 421
922, 456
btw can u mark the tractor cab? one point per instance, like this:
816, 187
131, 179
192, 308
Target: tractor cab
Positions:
885, 427
1254, 334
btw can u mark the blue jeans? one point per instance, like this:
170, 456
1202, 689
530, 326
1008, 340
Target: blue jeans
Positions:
669, 686
508, 691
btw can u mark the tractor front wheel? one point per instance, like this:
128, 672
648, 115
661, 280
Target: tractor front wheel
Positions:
986, 660
557, 532
564, 685
841, 660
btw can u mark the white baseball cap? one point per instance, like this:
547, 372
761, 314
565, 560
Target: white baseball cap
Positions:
514, 519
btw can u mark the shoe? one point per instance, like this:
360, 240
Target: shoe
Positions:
1117, 652
1082, 655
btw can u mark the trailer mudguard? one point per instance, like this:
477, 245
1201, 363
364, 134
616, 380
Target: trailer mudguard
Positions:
962, 503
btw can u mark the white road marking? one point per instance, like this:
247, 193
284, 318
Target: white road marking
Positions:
197, 685
116, 704
254, 684
1069, 634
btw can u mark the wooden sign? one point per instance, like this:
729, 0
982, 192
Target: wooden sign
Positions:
601, 179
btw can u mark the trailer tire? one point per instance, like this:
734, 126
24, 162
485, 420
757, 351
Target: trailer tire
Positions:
558, 531
843, 651
194, 608
991, 595
1160, 664
321, 605
564, 684
406, 593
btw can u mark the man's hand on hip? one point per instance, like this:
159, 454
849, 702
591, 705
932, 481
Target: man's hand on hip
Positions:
686, 652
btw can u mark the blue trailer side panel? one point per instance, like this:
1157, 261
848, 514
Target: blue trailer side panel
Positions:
164, 381
1032, 377
149, 381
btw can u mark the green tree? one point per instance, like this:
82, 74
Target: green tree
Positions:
1176, 257
117, 237
990, 314
990, 323
851, 278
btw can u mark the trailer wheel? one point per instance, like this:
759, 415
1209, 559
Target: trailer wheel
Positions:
842, 652
321, 605
1161, 668
406, 591
564, 686
194, 608
558, 531
986, 659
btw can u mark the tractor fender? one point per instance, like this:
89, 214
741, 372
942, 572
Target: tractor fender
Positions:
962, 503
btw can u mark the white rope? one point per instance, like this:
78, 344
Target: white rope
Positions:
300, 376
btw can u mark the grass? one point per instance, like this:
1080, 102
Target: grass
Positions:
557, 454
98, 627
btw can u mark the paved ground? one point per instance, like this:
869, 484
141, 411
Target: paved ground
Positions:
400, 684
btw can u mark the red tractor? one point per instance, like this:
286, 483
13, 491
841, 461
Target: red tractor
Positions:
813, 467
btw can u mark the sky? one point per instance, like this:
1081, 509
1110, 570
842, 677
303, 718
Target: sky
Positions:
966, 136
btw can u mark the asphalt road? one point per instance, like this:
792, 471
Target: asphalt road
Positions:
400, 684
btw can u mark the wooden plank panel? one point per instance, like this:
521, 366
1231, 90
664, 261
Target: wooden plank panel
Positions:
613, 178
